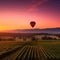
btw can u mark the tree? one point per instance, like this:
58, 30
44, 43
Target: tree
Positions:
47, 38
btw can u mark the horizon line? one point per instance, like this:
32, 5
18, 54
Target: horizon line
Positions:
27, 28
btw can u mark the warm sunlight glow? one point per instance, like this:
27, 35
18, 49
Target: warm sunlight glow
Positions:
18, 16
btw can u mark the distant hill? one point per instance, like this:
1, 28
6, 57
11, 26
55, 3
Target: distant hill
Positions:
47, 30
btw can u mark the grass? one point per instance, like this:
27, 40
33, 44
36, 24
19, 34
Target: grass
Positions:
40, 50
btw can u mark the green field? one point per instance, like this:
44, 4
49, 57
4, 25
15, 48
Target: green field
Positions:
34, 50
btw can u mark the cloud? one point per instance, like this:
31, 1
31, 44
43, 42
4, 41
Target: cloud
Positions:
35, 5
28, 5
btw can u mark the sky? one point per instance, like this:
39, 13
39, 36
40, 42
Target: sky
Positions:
17, 14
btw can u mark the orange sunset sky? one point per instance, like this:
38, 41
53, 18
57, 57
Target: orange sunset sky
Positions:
18, 14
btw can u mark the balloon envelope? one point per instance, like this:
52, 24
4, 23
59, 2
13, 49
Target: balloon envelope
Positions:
32, 23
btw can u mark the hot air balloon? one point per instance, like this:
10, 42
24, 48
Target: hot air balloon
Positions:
32, 23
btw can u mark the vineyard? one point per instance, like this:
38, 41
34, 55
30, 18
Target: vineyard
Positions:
42, 50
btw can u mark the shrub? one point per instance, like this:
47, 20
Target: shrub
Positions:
34, 39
